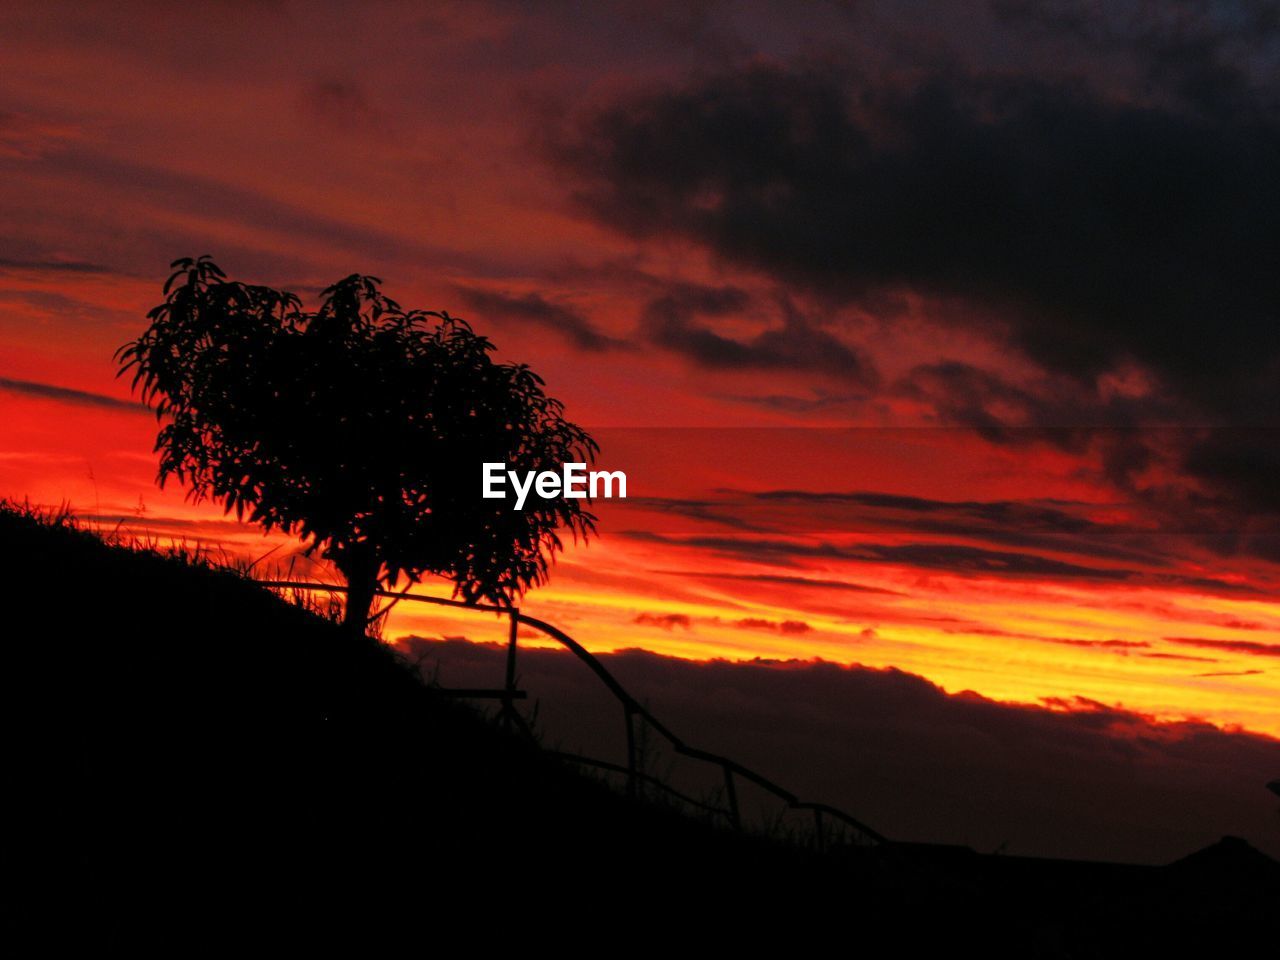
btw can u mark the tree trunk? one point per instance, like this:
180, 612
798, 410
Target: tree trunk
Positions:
361, 573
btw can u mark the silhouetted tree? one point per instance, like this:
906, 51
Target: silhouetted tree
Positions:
360, 427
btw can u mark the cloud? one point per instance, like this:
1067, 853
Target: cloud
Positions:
341, 104
1230, 673
133, 185
1208, 56
914, 761
27, 137
51, 266
954, 558
1091, 231
1235, 646
786, 581
1062, 412
787, 403
1153, 533
1232, 623
1117, 644
667, 621
792, 627
719, 512
1083, 214
46, 391
962, 557
671, 321
1242, 459
533, 308
996, 511
1032, 524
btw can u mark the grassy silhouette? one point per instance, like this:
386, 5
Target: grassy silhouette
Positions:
208, 732
202, 755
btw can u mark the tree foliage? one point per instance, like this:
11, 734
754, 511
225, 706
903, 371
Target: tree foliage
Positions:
360, 427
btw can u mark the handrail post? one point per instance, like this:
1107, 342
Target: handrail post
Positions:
629, 714
731, 794
509, 689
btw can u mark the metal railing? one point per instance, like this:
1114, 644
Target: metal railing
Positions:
632, 710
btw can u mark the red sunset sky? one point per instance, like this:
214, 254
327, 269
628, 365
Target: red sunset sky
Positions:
943, 342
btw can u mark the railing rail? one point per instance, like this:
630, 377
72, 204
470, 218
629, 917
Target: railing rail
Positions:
632, 708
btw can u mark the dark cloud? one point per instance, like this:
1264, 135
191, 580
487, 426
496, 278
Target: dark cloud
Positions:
1178, 656
1230, 673
1053, 527
955, 558
963, 558
1112, 228
46, 391
782, 580
1006, 522
1136, 444
533, 308
1093, 231
341, 104
672, 321
709, 511
51, 266
667, 621
1061, 412
1246, 460
1208, 56
63, 310
24, 136
1235, 646
818, 400
1076, 642
1070, 778
1232, 623
1010, 512
792, 627
1120, 647
135, 182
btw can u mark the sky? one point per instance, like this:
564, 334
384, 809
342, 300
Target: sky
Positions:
933, 337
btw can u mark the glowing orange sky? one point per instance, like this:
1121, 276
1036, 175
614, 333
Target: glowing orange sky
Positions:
1015, 570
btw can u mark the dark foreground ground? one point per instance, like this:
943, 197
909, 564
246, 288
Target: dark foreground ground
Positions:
195, 761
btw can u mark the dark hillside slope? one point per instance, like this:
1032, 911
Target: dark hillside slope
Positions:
189, 736
191, 752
